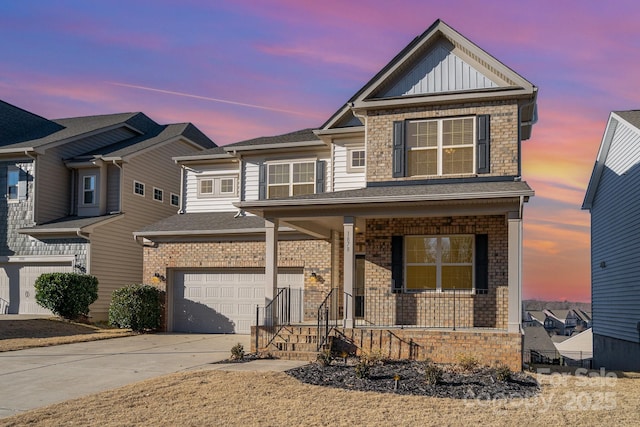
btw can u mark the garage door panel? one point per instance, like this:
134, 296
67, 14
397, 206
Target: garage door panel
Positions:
223, 301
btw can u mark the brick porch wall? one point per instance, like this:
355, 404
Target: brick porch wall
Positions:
382, 307
488, 347
310, 255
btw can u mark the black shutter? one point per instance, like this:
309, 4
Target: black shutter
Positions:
397, 263
482, 263
398, 150
262, 181
321, 166
484, 138
22, 184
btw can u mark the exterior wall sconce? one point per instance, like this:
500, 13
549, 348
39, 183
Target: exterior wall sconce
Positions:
157, 277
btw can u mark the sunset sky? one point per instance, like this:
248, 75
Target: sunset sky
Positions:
239, 69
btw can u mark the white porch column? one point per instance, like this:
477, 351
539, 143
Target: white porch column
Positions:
271, 259
349, 270
514, 222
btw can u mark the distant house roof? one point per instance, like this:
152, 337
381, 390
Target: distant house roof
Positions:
578, 347
70, 225
537, 338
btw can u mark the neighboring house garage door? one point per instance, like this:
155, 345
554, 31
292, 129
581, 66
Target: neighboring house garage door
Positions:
18, 283
224, 301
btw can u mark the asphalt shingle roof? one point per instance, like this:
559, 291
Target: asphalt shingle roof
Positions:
296, 136
70, 222
205, 222
18, 125
632, 116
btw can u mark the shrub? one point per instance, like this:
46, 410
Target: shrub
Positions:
324, 358
363, 368
433, 373
237, 352
502, 372
467, 362
135, 307
68, 295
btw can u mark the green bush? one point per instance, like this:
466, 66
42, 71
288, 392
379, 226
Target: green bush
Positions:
237, 352
433, 373
68, 295
136, 307
502, 372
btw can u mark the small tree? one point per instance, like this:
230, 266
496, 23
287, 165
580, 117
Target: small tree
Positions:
136, 307
68, 295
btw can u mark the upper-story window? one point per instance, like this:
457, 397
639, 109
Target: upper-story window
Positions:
175, 199
13, 183
441, 147
89, 190
356, 159
138, 188
290, 179
158, 194
219, 186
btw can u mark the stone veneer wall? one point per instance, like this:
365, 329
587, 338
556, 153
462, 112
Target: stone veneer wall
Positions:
503, 130
488, 347
384, 308
310, 255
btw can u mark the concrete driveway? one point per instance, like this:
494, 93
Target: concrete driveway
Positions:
42, 376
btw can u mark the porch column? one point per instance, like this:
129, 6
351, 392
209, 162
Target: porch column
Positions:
514, 222
349, 270
271, 259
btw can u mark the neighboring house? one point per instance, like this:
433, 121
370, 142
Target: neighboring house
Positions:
538, 347
533, 318
577, 349
555, 321
74, 191
612, 198
403, 213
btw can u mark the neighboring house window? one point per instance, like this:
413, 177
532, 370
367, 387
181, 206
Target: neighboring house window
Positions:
13, 181
138, 188
439, 263
356, 160
89, 190
175, 199
216, 186
441, 147
158, 194
290, 179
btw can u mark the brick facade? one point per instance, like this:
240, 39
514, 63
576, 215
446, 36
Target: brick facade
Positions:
503, 128
312, 256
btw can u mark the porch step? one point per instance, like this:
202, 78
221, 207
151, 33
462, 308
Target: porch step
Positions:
295, 342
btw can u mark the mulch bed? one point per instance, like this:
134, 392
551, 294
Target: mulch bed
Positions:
455, 383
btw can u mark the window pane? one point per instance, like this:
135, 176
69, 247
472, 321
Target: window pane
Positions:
89, 182
157, 194
175, 199
226, 185
88, 197
423, 162
13, 176
457, 249
300, 189
421, 277
303, 172
457, 277
457, 132
278, 191
457, 160
206, 186
278, 174
357, 159
421, 250
422, 134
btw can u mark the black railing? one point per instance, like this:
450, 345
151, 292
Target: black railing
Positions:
325, 322
4, 306
553, 357
271, 318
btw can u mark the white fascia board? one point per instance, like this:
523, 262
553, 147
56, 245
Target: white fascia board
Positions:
237, 231
318, 143
42, 258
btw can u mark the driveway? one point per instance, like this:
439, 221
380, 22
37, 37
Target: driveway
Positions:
42, 376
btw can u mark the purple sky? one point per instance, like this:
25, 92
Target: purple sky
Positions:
241, 69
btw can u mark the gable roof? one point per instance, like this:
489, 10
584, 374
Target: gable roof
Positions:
464, 71
18, 125
629, 119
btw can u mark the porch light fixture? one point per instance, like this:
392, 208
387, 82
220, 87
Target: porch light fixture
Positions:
158, 277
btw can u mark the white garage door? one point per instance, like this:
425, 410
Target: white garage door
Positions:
223, 301
28, 275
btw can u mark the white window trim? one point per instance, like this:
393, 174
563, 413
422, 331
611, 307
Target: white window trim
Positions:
84, 191
290, 183
177, 197
439, 147
350, 167
439, 265
216, 191
161, 199
143, 188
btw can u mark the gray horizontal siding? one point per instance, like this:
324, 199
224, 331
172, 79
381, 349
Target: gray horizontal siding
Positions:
615, 240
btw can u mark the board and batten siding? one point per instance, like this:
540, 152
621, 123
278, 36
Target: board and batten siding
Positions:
615, 240
193, 203
250, 170
343, 179
54, 186
116, 258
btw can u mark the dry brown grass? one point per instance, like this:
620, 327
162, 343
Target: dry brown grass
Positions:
275, 399
18, 334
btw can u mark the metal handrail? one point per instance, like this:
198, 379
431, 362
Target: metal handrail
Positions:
277, 315
4, 306
323, 320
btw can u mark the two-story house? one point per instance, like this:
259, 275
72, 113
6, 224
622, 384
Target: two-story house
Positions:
74, 191
400, 217
614, 206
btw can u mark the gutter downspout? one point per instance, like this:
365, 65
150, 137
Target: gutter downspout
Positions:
182, 186
120, 190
